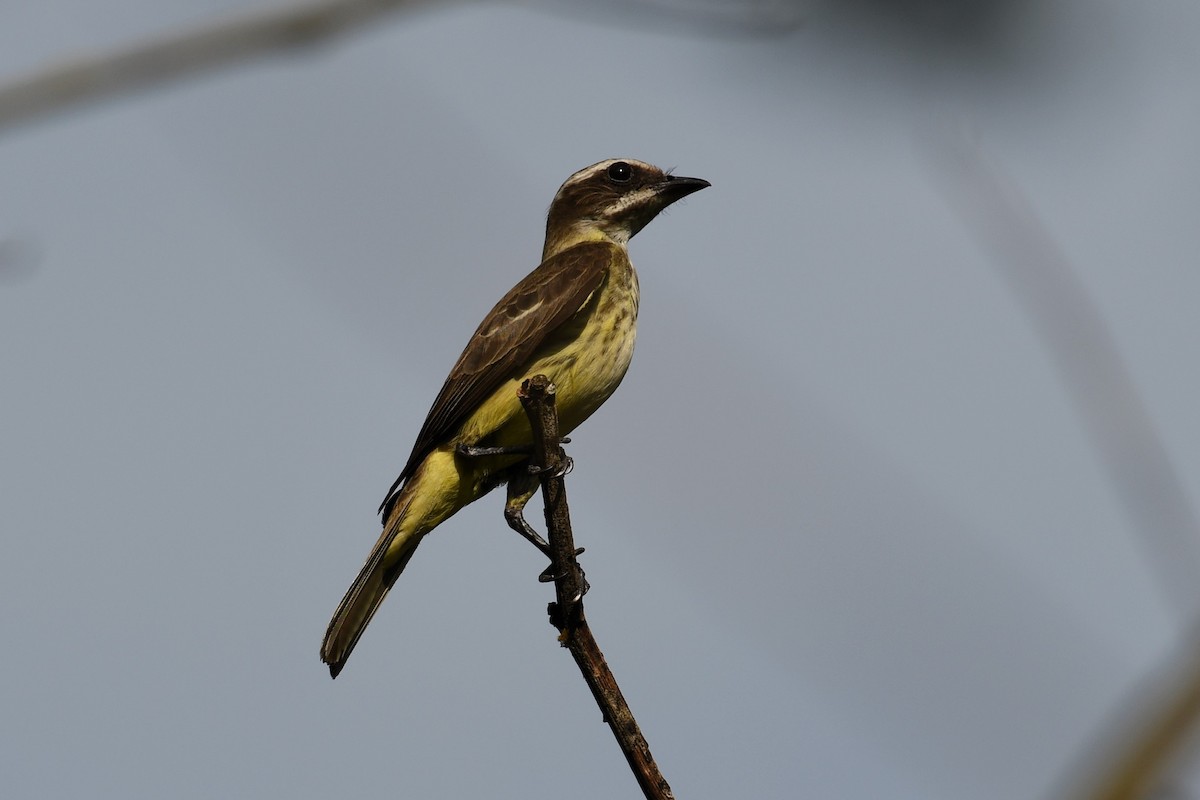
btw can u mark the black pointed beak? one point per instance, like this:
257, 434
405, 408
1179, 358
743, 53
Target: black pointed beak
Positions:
675, 187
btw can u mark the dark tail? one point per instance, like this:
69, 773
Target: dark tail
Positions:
391, 554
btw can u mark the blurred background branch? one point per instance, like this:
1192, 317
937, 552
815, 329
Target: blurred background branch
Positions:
200, 271
177, 55
1129, 756
1134, 753
1076, 337
259, 33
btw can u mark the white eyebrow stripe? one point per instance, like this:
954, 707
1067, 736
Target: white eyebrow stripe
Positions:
588, 174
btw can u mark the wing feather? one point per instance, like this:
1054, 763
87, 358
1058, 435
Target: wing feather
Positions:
506, 340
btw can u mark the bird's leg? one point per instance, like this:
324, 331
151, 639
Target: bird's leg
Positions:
521, 489
564, 468
523, 482
473, 451
522, 486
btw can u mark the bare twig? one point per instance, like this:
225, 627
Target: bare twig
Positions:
566, 614
172, 56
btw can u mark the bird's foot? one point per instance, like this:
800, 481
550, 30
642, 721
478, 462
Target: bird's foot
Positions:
564, 468
473, 451
550, 576
516, 520
522, 486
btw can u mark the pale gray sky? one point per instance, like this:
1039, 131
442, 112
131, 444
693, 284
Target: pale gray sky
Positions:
846, 533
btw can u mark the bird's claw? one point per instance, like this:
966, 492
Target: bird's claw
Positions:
548, 575
564, 468
471, 451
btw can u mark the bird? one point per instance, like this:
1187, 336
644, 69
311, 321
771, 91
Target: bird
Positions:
573, 319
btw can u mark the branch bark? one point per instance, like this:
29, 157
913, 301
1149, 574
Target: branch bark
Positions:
566, 613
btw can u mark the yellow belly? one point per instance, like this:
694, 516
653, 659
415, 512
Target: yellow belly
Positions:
586, 362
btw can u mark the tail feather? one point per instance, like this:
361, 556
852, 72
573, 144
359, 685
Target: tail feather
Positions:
391, 554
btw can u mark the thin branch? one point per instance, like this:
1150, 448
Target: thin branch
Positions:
566, 614
172, 56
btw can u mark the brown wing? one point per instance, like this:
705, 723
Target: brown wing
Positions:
507, 338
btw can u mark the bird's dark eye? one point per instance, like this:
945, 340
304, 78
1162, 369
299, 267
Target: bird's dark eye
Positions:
620, 172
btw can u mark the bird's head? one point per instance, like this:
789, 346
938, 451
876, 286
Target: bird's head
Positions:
611, 200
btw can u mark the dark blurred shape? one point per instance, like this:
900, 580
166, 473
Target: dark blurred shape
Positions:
923, 24
972, 35
1145, 737
705, 17
965, 22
